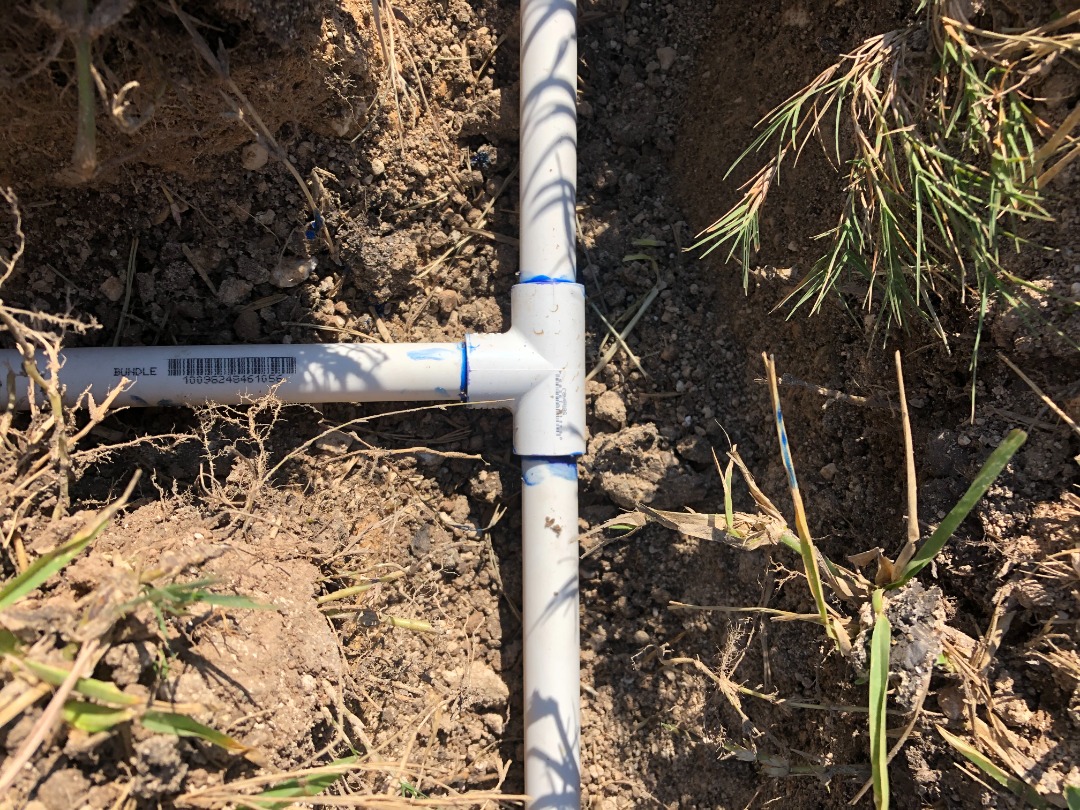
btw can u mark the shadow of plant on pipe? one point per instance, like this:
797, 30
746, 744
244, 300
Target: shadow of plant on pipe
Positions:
561, 778
192, 375
548, 140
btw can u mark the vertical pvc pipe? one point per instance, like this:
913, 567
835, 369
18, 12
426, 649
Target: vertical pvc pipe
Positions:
549, 510
549, 491
548, 140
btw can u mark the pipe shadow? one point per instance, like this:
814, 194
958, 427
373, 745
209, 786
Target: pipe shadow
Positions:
552, 97
563, 791
566, 598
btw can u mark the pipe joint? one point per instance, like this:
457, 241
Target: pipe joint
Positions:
536, 369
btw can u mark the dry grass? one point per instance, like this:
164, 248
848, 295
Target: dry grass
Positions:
933, 128
857, 612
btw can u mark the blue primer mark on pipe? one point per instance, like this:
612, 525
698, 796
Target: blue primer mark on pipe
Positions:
464, 394
547, 280
138, 400
440, 390
567, 470
431, 354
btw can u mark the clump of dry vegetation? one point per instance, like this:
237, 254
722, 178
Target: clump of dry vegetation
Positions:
945, 158
890, 629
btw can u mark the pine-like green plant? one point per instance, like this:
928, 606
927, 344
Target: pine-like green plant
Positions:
933, 130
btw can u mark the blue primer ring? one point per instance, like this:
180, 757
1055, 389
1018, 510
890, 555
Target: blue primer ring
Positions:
464, 395
431, 354
558, 467
547, 280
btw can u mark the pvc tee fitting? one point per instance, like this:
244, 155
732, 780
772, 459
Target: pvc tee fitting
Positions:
536, 369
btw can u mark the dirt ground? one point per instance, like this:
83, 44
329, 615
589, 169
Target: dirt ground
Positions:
193, 230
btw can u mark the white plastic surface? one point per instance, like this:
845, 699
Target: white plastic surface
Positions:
549, 513
192, 375
548, 139
549, 418
537, 369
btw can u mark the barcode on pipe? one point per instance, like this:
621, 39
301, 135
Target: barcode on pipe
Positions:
231, 366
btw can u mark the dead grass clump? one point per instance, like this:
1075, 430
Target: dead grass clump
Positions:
47, 448
73, 72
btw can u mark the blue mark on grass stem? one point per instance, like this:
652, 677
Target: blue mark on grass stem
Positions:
314, 227
785, 452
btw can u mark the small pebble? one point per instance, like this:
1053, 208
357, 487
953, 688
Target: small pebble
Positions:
233, 291
421, 542
829, 471
666, 57
246, 325
963, 440
610, 408
113, 288
335, 442
448, 301
254, 156
292, 271
377, 167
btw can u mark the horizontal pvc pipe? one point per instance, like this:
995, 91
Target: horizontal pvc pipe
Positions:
548, 140
193, 375
549, 515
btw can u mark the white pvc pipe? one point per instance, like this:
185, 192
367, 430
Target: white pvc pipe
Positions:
549, 514
548, 140
536, 369
193, 375
549, 491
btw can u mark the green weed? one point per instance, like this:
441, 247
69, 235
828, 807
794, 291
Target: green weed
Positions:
85, 703
987, 766
879, 688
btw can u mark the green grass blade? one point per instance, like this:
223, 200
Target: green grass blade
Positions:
980, 761
1072, 797
233, 601
308, 785
178, 596
8, 642
92, 717
180, 725
989, 472
48, 564
44, 567
104, 691
880, 642
186, 593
